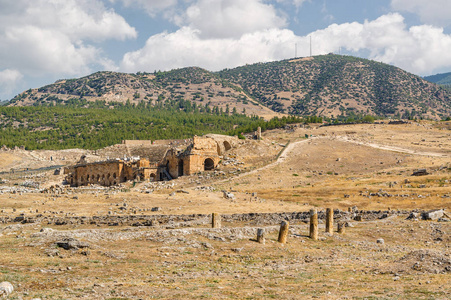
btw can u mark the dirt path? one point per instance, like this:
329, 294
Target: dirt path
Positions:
291, 146
282, 157
392, 148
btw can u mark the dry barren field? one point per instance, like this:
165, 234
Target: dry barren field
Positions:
155, 241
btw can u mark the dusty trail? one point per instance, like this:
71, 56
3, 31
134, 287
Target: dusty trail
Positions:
392, 148
282, 157
291, 146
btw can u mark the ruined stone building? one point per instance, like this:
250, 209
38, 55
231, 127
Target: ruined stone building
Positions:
161, 161
111, 172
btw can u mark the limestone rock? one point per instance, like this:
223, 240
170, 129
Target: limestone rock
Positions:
433, 214
6, 288
71, 243
420, 172
228, 195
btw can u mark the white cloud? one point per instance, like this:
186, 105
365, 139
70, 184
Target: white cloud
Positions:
9, 78
230, 18
80, 19
185, 47
434, 12
37, 50
419, 49
216, 35
57, 37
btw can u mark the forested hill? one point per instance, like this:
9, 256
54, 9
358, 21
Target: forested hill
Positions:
333, 85
328, 85
444, 78
198, 86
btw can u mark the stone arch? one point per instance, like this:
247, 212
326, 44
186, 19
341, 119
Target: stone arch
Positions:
227, 146
218, 149
209, 164
87, 178
82, 179
114, 175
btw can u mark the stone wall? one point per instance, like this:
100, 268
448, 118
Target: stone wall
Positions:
104, 173
112, 172
137, 142
224, 142
203, 154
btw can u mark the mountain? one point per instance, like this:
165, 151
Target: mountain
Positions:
333, 85
195, 84
328, 85
444, 78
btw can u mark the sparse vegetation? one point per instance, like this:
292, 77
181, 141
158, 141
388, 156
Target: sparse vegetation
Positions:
126, 250
331, 86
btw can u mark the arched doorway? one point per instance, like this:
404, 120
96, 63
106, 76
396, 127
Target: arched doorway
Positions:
227, 146
209, 164
180, 168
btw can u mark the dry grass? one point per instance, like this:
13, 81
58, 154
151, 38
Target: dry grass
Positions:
192, 266
337, 169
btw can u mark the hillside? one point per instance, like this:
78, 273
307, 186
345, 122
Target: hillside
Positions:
444, 78
328, 85
201, 87
333, 85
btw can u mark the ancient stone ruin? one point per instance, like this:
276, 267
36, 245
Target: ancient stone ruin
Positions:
169, 162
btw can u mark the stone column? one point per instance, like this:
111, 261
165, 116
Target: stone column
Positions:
215, 220
261, 235
330, 220
283, 233
313, 224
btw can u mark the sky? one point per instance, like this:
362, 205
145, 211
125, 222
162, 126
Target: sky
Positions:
42, 41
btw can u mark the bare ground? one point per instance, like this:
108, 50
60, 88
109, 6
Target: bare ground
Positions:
367, 166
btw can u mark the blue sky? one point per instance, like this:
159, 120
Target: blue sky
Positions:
42, 41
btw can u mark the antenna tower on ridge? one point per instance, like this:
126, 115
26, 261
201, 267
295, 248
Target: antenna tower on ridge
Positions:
310, 45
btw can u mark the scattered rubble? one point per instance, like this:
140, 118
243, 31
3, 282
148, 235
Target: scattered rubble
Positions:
426, 261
